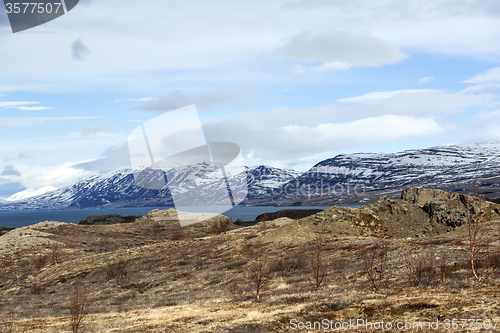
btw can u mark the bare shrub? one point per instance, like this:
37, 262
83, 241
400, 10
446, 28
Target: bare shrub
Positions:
221, 226
444, 268
37, 289
177, 234
487, 261
40, 261
338, 265
103, 243
235, 287
319, 266
239, 222
78, 305
8, 326
156, 230
375, 263
118, 270
291, 263
56, 254
420, 270
263, 225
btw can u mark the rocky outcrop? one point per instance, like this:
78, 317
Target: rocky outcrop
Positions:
4, 230
451, 209
420, 196
290, 213
419, 213
108, 219
169, 221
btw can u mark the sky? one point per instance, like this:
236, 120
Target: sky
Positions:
292, 82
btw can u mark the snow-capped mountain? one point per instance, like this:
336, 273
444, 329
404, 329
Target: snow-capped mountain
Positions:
337, 178
438, 167
30, 193
119, 188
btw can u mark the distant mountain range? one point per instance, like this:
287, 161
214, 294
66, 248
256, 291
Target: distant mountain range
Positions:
359, 178
119, 189
344, 179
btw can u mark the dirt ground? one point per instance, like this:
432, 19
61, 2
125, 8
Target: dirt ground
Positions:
152, 276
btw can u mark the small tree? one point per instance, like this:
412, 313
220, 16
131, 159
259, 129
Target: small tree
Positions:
319, 267
78, 306
487, 258
261, 269
473, 230
443, 266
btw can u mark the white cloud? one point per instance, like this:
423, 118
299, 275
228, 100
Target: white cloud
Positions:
95, 130
331, 67
160, 38
39, 176
31, 121
375, 97
138, 100
491, 75
204, 101
341, 47
425, 79
33, 108
266, 139
15, 104
487, 88
299, 69
18, 157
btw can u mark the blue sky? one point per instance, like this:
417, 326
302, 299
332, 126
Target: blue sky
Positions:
291, 82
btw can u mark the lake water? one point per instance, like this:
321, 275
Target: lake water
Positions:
18, 219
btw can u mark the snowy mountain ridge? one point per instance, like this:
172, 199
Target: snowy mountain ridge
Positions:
336, 178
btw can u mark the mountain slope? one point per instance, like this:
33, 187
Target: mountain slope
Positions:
343, 179
356, 174
118, 189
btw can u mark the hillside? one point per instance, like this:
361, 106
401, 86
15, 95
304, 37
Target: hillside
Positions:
395, 260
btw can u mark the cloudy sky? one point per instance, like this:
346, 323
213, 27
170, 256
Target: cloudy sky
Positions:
291, 82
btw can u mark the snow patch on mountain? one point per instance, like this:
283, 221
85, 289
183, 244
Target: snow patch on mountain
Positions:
28, 193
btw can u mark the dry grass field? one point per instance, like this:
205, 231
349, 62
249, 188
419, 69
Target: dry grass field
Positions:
383, 262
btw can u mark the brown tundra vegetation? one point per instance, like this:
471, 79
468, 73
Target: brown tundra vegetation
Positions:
430, 256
